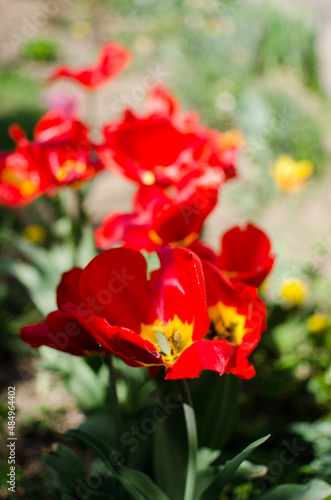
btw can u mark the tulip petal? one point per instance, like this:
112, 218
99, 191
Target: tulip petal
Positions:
180, 290
114, 286
113, 59
61, 331
160, 101
123, 342
202, 355
246, 255
68, 291
129, 229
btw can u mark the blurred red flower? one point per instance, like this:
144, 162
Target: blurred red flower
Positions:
245, 255
172, 216
21, 181
163, 146
60, 154
112, 60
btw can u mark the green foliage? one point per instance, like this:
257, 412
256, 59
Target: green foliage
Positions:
293, 46
226, 474
209, 481
40, 50
318, 435
66, 464
20, 103
315, 490
82, 382
170, 455
68, 475
42, 269
136, 483
217, 411
306, 355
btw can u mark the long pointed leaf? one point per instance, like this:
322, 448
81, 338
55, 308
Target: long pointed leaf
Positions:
170, 455
216, 412
192, 440
225, 476
135, 482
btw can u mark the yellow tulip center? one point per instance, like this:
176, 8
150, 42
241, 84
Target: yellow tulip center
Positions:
185, 242
25, 186
68, 167
226, 323
170, 339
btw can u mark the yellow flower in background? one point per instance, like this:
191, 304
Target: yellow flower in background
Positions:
34, 233
293, 291
232, 138
318, 322
291, 175
80, 28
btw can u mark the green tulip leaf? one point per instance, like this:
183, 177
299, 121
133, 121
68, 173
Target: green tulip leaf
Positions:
226, 474
138, 484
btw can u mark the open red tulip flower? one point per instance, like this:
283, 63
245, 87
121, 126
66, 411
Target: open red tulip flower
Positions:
245, 255
64, 144
164, 145
237, 315
172, 216
112, 307
112, 60
20, 180
60, 154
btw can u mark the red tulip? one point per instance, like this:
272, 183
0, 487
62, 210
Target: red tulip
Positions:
245, 255
21, 181
111, 307
60, 154
237, 315
163, 146
112, 60
171, 216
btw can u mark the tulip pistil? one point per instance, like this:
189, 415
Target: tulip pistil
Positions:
226, 323
170, 339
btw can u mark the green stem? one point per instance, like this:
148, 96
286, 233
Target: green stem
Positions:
92, 110
113, 399
192, 439
81, 216
185, 392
